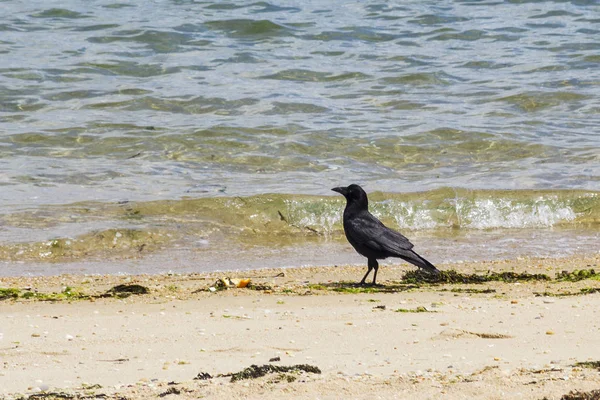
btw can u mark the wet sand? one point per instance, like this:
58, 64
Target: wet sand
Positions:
494, 340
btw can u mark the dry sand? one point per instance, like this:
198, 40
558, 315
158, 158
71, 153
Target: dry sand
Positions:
508, 343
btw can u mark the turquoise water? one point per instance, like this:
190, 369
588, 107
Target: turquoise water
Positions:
150, 104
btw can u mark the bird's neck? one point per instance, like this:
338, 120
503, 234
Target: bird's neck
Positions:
354, 207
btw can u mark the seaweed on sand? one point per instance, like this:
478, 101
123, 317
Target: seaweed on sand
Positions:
452, 276
577, 275
122, 291
577, 395
588, 364
256, 371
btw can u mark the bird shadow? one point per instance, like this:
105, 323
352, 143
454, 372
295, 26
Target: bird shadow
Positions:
353, 287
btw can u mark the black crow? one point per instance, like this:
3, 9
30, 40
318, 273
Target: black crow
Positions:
371, 238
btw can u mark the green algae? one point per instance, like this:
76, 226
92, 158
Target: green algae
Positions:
355, 288
577, 275
9, 293
67, 294
454, 277
582, 292
419, 309
70, 294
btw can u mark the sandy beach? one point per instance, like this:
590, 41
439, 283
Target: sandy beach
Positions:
493, 340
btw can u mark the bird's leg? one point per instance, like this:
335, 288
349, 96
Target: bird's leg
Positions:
362, 282
375, 266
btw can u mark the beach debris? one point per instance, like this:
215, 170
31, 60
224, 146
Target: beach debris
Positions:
589, 290
588, 364
264, 288
485, 370
582, 291
577, 395
255, 371
202, 376
241, 283
545, 370
50, 396
274, 359
116, 360
227, 283
171, 390
122, 291
380, 307
419, 309
92, 386
461, 333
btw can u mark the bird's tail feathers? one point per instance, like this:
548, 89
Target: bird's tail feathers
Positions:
423, 263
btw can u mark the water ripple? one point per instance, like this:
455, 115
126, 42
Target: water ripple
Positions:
281, 97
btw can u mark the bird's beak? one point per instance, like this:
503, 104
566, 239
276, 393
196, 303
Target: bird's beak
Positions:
341, 190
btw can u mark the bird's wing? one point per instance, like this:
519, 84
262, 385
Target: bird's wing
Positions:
369, 231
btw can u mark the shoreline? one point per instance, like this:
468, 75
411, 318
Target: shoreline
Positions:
505, 339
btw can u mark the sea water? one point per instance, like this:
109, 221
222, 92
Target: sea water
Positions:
203, 135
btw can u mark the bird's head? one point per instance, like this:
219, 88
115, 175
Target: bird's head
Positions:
354, 194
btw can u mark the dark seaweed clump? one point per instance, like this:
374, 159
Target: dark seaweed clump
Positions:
589, 290
49, 396
172, 390
122, 291
471, 290
202, 376
256, 371
577, 395
588, 364
452, 276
